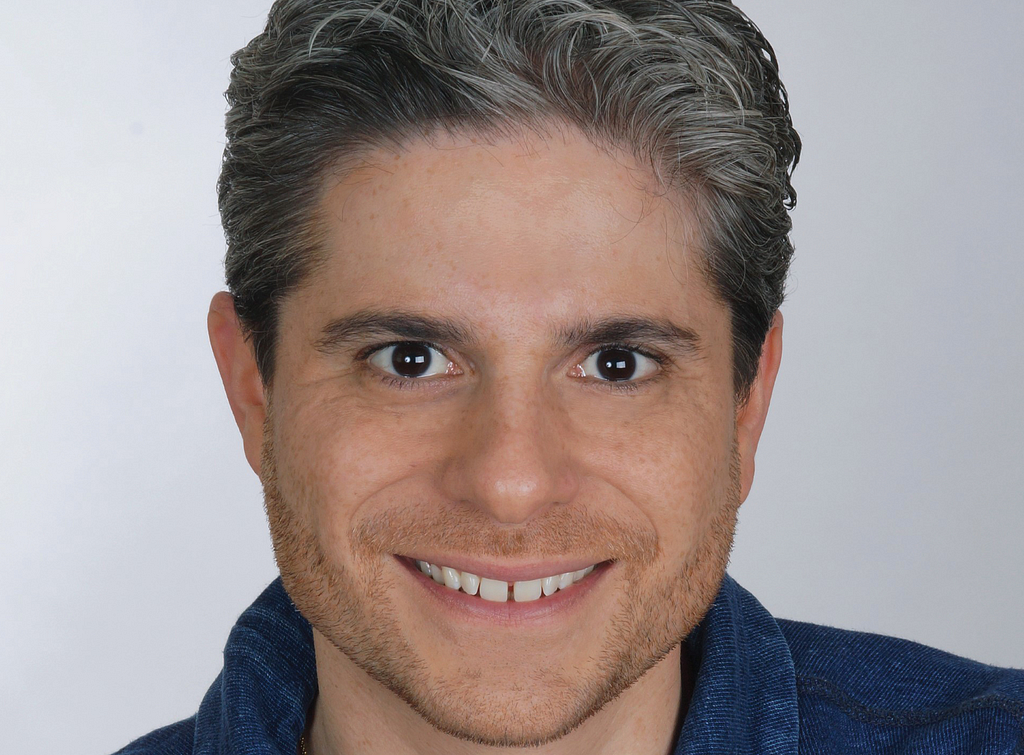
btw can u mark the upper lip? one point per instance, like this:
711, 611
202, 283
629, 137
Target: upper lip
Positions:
508, 572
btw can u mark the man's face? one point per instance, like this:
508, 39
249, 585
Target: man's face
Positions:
505, 435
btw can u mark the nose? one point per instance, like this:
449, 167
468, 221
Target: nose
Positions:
513, 459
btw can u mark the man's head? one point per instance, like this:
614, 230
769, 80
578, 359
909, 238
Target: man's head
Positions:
504, 285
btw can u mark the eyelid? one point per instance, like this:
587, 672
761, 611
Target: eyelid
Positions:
643, 351
367, 352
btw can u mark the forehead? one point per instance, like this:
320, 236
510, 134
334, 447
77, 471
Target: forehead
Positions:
535, 228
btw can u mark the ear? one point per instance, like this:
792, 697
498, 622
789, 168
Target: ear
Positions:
237, 364
751, 415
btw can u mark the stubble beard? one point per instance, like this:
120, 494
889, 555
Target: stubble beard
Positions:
350, 610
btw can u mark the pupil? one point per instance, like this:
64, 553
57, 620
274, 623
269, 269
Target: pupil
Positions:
410, 359
616, 364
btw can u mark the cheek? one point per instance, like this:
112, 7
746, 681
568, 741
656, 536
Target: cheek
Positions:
672, 464
335, 454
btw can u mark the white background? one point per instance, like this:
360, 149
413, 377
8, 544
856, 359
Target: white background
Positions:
889, 490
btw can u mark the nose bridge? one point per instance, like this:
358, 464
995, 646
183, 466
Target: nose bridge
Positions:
514, 460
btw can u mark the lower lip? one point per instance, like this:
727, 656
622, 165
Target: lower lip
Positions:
546, 610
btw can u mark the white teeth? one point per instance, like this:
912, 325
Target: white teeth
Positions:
496, 590
470, 582
526, 591
550, 584
493, 589
451, 577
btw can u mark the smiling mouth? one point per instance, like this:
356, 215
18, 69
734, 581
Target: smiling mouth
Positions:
498, 590
465, 583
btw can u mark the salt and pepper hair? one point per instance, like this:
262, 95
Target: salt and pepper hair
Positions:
689, 87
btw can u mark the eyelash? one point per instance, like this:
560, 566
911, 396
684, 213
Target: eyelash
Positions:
621, 386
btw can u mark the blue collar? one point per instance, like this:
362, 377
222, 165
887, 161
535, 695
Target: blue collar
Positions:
744, 699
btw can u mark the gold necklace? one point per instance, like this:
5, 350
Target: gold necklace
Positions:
302, 744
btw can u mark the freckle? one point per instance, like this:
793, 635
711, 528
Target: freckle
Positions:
372, 216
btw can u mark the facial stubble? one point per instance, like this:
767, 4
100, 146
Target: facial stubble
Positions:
350, 609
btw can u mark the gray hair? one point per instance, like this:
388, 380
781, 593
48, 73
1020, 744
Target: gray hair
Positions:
689, 87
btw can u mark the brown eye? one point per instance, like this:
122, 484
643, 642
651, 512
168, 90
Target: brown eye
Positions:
616, 364
410, 360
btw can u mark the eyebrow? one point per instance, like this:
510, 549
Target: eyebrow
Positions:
377, 324
369, 324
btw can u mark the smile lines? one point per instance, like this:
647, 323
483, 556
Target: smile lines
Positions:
497, 590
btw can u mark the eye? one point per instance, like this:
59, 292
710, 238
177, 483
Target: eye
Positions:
411, 360
616, 364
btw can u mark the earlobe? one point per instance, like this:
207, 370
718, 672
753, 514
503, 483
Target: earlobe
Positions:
751, 416
239, 374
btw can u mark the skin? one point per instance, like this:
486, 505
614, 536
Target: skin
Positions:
516, 450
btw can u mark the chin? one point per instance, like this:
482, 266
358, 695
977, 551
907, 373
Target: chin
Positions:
537, 709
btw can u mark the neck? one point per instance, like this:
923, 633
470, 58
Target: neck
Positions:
355, 715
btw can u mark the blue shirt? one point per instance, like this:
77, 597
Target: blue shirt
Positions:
763, 685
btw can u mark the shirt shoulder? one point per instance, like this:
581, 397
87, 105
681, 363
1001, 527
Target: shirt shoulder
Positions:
886, 694
175, 739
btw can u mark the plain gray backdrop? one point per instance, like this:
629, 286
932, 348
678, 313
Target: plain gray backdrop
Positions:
888, 495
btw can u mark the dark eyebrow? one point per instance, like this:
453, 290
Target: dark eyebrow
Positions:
368, 324
644, 330
372, 324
